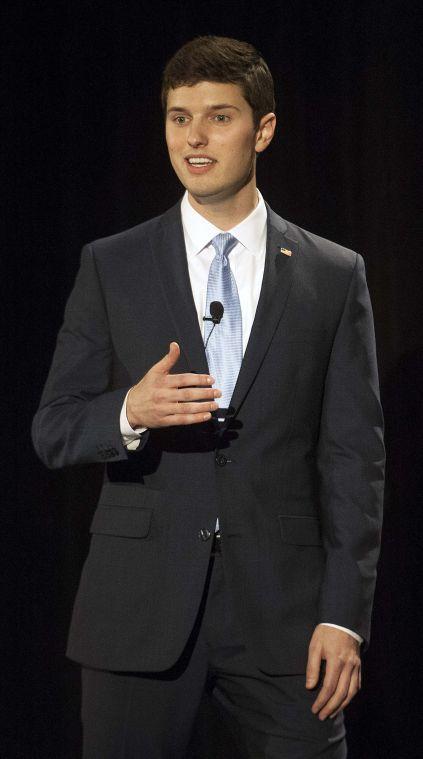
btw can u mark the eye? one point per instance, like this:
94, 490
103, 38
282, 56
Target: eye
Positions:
180, 119
221, 118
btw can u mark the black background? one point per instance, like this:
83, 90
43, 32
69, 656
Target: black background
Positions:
88, 159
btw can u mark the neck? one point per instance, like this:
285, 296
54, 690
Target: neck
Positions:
225, 213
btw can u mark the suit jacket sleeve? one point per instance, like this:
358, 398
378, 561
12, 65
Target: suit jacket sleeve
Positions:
78, 418
351, 465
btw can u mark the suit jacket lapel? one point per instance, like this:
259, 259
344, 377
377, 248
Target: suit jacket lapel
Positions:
170, 256
277, 281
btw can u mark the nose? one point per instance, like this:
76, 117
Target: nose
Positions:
196, 135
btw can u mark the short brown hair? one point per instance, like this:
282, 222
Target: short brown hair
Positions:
222, 59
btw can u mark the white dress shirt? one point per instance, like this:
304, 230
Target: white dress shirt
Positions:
247, 265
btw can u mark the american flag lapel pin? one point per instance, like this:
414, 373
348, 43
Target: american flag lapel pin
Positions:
286, 251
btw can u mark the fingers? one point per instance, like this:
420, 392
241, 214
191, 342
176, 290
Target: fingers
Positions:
340, 685
354, 687
330, 683
179, 380
165, 364
184, 419
185, 395
189, 380
182, 409
342, 678
313, 666
162, 399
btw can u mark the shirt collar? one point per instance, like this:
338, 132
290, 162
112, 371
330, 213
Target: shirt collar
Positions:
198, 232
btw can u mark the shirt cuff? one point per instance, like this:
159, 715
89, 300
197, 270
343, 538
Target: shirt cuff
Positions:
345, 629
130, 437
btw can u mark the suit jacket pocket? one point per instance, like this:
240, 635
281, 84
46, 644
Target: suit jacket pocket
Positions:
300, 530
122, 521
128, 494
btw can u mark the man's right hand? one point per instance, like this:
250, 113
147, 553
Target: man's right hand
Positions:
161, 399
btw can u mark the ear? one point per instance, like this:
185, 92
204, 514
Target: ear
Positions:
265, 132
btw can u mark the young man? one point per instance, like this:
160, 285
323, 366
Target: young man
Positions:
235, 542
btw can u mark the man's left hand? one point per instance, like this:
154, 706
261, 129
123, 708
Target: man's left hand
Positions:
342, 678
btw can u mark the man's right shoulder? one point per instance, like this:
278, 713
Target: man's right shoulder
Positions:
125, 240
133, 239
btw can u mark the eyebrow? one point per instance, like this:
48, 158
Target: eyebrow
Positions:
218, 107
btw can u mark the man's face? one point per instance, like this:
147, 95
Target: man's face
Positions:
211, 139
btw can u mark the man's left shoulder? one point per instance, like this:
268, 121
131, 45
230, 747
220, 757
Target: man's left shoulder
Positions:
319, 251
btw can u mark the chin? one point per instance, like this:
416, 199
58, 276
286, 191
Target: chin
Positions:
199, 191
208, 198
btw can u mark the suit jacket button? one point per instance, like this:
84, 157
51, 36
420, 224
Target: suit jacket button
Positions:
204, 534
221, 459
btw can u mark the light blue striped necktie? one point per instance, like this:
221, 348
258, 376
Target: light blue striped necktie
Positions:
224, 347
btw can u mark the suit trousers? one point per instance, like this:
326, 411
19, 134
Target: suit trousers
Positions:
133, 715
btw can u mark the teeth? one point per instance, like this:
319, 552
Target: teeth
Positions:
199, 160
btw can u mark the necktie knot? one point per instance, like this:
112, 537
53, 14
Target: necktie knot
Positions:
223, 244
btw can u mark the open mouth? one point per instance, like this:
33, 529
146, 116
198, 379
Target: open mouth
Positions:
199, 164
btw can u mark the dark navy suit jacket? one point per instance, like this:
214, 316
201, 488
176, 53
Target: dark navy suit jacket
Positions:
296, 475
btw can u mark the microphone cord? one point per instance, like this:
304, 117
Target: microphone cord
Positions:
210, 334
